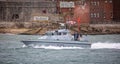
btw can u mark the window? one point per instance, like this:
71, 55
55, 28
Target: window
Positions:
95, 3
110, 1
104, 14
91, 15
98, 3
111, 15
106, 1
15, 16
44, 11
98, 15
91, 2
59, 33
64, 33
95, 15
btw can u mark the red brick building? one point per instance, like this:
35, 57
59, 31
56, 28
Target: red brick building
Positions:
116, 10
89, 11
101, 11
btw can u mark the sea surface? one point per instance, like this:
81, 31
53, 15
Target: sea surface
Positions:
105, 49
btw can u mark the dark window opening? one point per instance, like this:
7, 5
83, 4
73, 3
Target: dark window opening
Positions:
59, 33
44, 11
15, 16
64, 33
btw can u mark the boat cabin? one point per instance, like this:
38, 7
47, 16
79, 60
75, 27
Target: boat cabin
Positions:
58, 32
62, 34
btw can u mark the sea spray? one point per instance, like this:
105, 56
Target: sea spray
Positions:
98, 45
56, 47
24, 46
106, 45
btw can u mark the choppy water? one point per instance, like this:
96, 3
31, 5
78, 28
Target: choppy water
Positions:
105, 50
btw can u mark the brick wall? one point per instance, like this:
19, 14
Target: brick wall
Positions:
91, 11
116, 10
101, 11
13, 10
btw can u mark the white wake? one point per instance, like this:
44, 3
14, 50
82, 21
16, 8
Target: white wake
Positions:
98, 45
106, 45
56, 47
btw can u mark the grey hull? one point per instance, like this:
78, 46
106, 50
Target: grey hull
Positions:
58, 43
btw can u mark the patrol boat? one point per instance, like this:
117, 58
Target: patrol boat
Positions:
61, 37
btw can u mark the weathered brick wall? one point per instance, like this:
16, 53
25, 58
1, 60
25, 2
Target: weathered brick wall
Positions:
116, 10
101, 11
82, 11
19, 10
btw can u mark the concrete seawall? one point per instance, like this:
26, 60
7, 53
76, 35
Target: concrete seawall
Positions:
106, 28
32, 28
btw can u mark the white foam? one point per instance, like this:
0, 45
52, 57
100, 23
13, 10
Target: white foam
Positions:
24, 46
56, 47
106, 45
98, 45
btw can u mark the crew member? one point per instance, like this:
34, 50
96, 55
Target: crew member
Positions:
76, 36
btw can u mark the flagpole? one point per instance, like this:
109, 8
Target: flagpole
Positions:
78, 21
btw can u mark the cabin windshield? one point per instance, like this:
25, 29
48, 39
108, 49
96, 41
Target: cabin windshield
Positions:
49, 34
62, 33
58, 33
